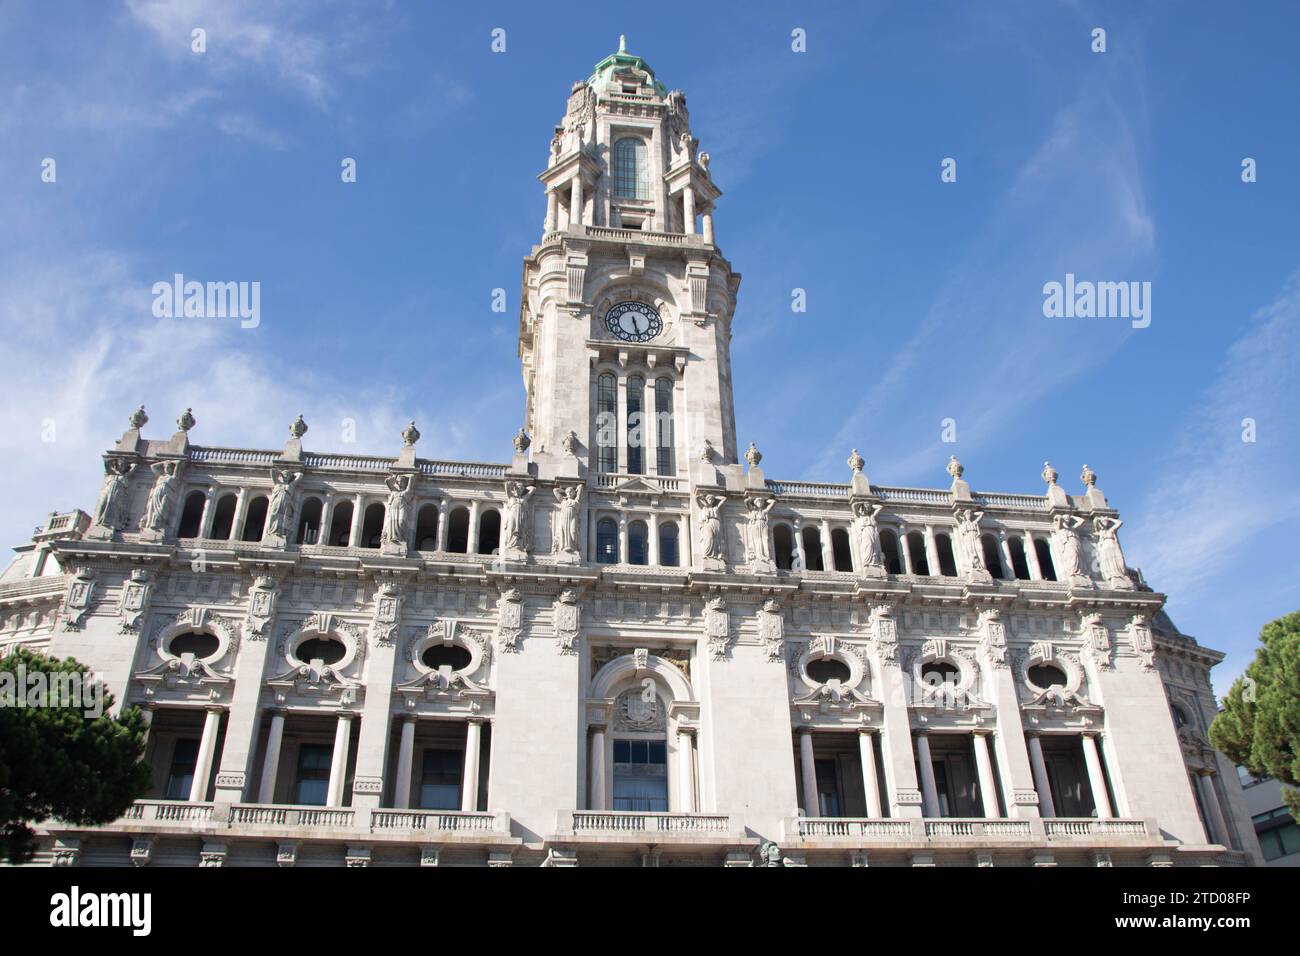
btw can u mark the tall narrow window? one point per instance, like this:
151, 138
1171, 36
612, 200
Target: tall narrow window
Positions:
636, 431
606, 423
607, 541
666, 460
641, 775
668, 556
638, 543
630, 169
313, 774
440, 779
180, 777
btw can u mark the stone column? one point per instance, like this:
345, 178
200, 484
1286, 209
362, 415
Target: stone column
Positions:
271, 760
326, 516
596, 798
207, 749
988, 785
929, 790
241, 512
376, 726
685, 772
1004, 548
1046, 806
798, 543
405, 758
339, 762
707, 220
1018, 783
244, 721
828, 553
685, 539
472, 541
1213, 809
688, 210
473, 744
808, 774
442, 525
896, 745
867, 753
552, 203
906, 549
931, 551
1096, 778
653, 542
209, 512
1031, 558
576, 200
358, 521
623, 556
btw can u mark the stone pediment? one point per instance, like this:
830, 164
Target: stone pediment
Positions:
639, 486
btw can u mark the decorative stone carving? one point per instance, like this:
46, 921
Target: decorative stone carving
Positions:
521, 441
865, 529
388, 611
158, 508
510, 620
1067, 546
261, 608
717, 627
955, 468
856, 462
570, 444
187, 420
567, 613
1110, 557
1097, 645
397, 515
753, 455
1088, 477
517, 521
134, 603
758, 549
639, 710
709, 531
78, 599
771, 629
1050, 474
970, 554
1139, 635
111, 507
993, 637
298, 428
410, 434
885, 635
281, 509
564, 527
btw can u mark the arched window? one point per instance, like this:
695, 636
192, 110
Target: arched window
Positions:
638, 543
372, 531
1045, 676
426, 529
630, 169
635, 425
916, 551
458, 531
1019, 566
309, 522
889, 545
607, 541
192, 515
1045, 563
668, 554
255, 519
666, 458
812, 549
489, 532
606, 423
223, 519
340, 535
783, 546
947, 560
841, 550
992, 557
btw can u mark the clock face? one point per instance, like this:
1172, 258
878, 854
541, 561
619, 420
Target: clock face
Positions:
633, 322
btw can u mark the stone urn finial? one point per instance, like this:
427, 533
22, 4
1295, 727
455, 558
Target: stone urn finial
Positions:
706, 453
1088, 477
522, 441
570, 443
1050, 474
753, 455
622, 43
855, 462
187, 421
410, 434
955, 468
298, 427
138, 418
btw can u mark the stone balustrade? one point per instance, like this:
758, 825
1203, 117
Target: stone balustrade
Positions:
960, 831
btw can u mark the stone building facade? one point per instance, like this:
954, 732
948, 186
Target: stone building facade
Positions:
625, 645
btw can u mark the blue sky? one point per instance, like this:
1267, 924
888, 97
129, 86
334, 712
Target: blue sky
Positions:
924, 298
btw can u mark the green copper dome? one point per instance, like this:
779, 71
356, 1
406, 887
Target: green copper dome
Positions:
622, 64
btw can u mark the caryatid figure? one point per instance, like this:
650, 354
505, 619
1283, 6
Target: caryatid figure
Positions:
968, 539
279, 511
1067, 545
710, 529
398, 509
108, 510
756, 529
1109, 554
564, 532
514, 524
868, 534
158, 508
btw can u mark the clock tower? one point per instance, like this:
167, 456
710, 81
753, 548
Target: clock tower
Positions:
625, 317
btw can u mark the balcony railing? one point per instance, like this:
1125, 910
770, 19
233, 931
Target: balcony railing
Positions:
299, 820
619, 823
958, 830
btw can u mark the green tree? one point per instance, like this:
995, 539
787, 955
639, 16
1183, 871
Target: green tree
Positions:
56, 761
1259, 726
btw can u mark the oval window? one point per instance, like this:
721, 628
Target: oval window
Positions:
196, 642
327, 650
825, 669
444, 655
